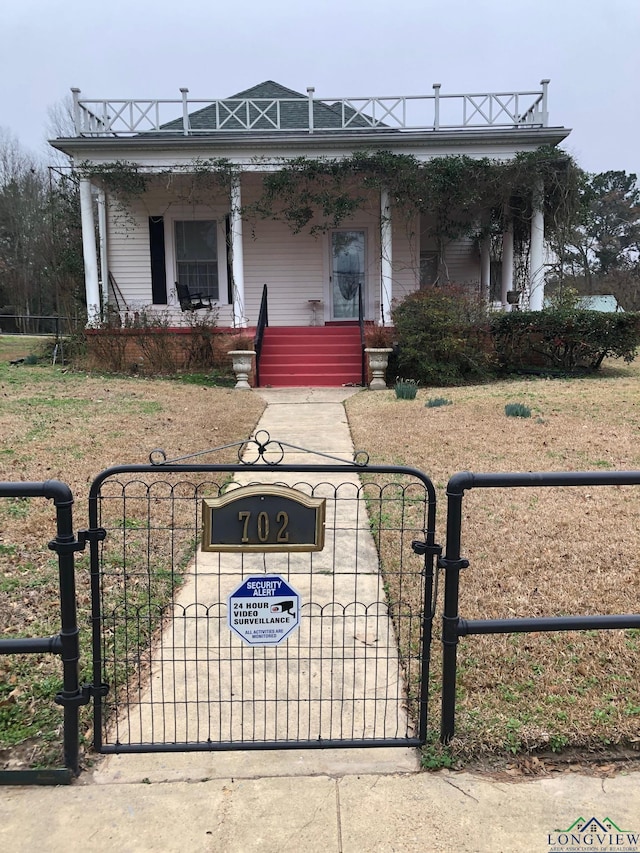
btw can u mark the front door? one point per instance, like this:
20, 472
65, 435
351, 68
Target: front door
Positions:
347, 273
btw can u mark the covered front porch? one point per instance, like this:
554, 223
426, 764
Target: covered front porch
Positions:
212, 244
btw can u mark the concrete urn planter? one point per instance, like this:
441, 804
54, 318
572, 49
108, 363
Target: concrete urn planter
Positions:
378, 358
241, 361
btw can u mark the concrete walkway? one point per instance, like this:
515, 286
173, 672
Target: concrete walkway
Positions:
338, 678
347, 801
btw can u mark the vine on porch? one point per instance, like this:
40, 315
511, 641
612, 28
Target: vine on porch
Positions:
463, 196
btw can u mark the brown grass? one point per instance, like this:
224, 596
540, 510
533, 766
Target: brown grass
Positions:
533, 552
57, 424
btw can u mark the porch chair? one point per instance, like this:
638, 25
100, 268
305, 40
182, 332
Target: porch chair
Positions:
192, 301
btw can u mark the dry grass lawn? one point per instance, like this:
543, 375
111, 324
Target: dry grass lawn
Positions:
533, 552
59, 424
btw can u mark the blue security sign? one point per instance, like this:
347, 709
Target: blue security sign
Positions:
263, 610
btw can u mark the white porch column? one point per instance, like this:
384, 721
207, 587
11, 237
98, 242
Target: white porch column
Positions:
102, 240
237, 256
89, 253
386, 257
507, 263
536, 251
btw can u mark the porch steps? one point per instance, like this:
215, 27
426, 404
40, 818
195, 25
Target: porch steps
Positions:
311, 356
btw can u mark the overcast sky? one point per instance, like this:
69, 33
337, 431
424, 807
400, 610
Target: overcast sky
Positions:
149, 48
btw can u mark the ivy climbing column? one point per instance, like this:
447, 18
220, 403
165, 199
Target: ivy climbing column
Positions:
536, 252
386, 271
237, 255
89, 253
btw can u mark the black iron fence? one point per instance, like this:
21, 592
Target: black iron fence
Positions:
66, 642
454, 626
36, 324
170, 675
355, 670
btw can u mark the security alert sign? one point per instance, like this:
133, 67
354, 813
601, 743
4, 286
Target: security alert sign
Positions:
263, 610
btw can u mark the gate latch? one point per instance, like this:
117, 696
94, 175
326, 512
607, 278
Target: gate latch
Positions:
424, 548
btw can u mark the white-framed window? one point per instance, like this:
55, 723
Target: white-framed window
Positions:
196, 247
196, 251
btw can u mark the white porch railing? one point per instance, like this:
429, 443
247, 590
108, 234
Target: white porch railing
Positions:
187, 117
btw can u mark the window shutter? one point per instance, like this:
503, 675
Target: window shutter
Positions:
158, 267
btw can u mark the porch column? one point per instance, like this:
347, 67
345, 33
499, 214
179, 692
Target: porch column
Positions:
102, 240
89, 253
237, 256
386, 257
507, 262
536, 251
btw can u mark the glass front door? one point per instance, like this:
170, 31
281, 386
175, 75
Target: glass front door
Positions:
347, 273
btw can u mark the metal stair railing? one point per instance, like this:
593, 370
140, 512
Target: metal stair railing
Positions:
263, 322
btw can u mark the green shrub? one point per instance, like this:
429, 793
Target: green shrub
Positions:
406, 389
565, 338
443, 336
435, 402
517, 410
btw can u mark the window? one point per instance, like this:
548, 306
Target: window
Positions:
197, 255
428, 268
428, 252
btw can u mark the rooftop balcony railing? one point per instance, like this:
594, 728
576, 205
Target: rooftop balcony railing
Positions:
188, 117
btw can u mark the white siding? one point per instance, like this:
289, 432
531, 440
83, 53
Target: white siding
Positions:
406, 256
463, 261
295, 267
128, 250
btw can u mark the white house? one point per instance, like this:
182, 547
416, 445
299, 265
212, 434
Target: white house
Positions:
200, 168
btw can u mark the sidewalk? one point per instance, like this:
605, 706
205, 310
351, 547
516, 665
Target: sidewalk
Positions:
348, 801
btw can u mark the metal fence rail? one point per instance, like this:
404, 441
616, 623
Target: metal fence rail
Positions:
454, 627
39, 324
66, 643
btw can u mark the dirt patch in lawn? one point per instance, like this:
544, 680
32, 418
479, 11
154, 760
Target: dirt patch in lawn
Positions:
532, 552
58, 424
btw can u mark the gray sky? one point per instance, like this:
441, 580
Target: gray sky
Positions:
149, 48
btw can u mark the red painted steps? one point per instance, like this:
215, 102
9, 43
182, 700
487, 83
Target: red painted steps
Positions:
311, 356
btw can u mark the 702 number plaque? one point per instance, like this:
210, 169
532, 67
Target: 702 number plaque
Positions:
263, 518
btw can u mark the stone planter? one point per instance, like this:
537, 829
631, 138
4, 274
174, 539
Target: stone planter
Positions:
378, 359
241, 361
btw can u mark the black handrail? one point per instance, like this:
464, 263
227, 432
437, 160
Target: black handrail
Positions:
363, 378
263, 322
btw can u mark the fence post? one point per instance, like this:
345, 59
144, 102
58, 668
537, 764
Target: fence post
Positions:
71, 696
452, 564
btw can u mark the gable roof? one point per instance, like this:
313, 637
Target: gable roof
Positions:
268, 106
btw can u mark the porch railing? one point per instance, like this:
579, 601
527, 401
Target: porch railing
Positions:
189, 117
263, 322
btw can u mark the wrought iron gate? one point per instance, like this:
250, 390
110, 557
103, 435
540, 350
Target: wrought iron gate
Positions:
173, 676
